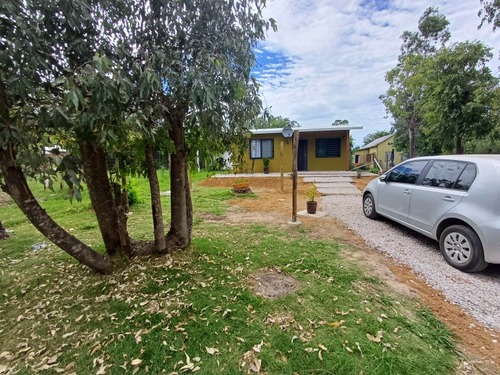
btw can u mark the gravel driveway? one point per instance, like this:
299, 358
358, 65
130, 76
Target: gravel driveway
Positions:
478, 294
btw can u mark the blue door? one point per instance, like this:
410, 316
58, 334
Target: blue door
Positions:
302, 157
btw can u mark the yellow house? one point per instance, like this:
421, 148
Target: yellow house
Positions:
379, 153
319, 149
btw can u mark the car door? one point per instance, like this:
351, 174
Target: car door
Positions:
394, 194
440, 190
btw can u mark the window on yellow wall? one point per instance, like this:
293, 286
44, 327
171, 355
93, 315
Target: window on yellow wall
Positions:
261, 148
328, 147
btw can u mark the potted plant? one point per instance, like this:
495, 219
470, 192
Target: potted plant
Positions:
312, 205
266, 162
241, 185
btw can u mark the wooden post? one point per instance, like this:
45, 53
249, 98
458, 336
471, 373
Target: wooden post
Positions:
295, 145
281, 167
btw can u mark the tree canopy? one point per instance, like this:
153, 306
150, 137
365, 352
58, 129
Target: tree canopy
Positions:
440, 97
113, 80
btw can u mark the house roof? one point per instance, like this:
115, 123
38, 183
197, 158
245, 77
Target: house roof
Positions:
376, 142
306, 130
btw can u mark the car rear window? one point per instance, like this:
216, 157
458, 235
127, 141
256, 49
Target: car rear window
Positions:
450, 174
466, 178
443, 174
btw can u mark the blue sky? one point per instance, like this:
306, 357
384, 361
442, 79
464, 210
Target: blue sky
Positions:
328, 59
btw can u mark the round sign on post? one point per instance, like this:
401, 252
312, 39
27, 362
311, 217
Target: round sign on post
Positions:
287, 133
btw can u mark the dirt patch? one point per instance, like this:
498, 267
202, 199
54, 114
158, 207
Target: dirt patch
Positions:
274, 206
271, 283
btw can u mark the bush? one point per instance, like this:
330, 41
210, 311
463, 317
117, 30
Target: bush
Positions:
374, 170
133, 195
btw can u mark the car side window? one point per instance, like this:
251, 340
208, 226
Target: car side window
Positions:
443, 174
407, 173
466, 178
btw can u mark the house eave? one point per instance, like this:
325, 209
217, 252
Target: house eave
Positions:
306, 130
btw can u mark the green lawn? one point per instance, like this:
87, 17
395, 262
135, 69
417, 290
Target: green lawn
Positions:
195, 312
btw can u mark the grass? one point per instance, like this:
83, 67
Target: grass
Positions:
195, 312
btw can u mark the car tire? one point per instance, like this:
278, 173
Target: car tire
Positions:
462, 248
369, 206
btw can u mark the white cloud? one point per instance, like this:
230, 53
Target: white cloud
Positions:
336, 53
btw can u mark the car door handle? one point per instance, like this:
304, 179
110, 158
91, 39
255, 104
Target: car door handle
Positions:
406, 192
448, 199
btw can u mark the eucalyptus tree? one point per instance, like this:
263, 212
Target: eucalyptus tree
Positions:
490, 13
200, 52
460, 94
405, 88
29, 58
92, 99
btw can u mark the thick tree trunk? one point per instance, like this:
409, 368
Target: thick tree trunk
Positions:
459, 148
17, 187
122, 218
154, 186
411, 137
96, 177
179, 235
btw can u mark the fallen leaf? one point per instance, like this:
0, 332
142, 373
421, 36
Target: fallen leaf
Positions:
136, 362
335, 324
377, 338
212, 351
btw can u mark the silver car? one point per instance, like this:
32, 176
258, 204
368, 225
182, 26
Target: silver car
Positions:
453, 199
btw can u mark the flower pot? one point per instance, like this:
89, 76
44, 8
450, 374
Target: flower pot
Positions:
266, 170
241, 185
311, 207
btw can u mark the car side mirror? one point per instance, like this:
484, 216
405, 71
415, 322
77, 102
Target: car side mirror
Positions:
383, 178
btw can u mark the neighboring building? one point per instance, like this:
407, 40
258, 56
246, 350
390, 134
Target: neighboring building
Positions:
381, 149
319, 149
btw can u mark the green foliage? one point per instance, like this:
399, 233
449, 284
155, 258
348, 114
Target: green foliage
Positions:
340, 123
490, 13
267, 120
312, 192
374, 170
133, 194
436, 91
459, 95
266, 162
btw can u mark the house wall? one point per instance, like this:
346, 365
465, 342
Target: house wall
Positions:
314, 164
380, 153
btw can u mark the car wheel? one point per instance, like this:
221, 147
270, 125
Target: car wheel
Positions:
462, 249
369, 206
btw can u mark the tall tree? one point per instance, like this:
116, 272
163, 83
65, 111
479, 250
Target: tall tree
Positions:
459, 95
28, 58
201, 53
405, 91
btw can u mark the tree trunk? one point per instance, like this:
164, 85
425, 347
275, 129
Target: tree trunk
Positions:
411, 137
459, 148
17, 187
125, 195
125, 242
154, 186
96, 177
181, 209
3, 232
